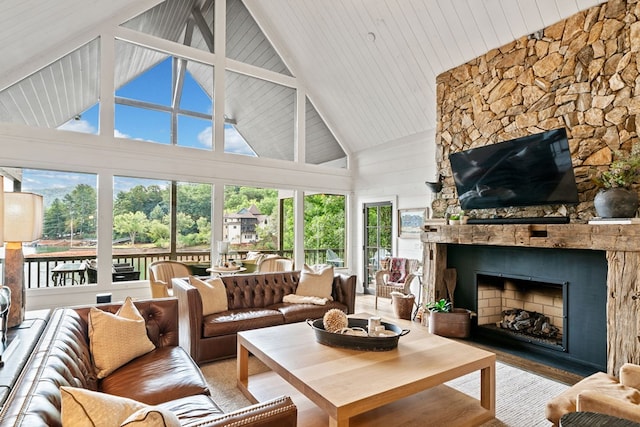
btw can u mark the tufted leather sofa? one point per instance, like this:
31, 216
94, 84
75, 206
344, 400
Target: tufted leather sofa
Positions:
166, 376
254, 301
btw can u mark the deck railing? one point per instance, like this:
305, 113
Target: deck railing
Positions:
39, 268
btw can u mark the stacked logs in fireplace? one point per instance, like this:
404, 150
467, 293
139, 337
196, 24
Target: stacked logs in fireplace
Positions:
528, 322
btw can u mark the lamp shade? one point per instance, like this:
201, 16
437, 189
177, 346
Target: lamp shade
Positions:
223, 247
23, 217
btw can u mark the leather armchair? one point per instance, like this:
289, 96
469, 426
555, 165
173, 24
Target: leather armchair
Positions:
396, 275
160, 275
275, 263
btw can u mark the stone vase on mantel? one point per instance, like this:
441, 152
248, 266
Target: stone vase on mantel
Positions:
616, 203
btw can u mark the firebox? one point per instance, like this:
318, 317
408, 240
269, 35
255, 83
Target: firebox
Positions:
527, 309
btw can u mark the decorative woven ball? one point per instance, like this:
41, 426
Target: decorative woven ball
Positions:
335, 320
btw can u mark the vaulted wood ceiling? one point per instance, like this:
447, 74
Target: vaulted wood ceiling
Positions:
372, 64
369, 65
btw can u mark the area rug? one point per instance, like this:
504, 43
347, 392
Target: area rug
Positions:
521, 396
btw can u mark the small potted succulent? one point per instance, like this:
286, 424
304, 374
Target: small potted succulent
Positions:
458, 218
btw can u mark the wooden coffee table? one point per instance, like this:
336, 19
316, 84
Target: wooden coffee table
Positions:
341, 387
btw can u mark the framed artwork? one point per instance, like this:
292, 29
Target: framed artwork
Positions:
410, 222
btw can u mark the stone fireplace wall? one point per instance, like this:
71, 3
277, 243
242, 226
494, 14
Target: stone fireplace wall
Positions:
582, 74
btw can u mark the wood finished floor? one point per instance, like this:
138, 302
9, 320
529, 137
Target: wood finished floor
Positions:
366, 304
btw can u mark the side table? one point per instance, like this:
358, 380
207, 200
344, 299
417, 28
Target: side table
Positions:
226, 272
593, 419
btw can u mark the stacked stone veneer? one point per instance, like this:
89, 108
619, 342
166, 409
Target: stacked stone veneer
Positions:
582, 74
492, 300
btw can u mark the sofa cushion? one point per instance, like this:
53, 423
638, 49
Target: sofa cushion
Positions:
151, 416
301, 312
193, 409
316, 281
163, 374
115, 339
82, 407
231, 322
213, 294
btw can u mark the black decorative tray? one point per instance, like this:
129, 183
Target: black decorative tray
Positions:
354, 342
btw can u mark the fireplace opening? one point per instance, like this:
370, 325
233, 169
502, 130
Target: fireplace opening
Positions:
526, 309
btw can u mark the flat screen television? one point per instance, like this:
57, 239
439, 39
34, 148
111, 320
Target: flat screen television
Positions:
527, 171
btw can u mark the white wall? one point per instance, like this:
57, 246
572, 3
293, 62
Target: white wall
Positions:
394, 172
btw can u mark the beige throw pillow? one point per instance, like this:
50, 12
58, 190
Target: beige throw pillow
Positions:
81, 407
152, 416
316, 281
116, 339
212, 293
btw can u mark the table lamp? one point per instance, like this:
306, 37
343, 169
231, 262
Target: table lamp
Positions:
223, 250
23, 218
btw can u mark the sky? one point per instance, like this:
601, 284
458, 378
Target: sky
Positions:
154, 86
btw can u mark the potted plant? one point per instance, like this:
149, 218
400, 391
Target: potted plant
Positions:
616, 198
458, 218
446, 321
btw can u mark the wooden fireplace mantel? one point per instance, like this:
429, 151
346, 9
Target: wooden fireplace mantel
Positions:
622, 246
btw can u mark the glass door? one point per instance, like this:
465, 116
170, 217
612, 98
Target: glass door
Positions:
378, 235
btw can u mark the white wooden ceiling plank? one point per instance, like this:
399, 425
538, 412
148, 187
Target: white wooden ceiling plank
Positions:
418, 17
366, 78
50, 74
548, 10
77, 87
437, 39
423, 79
586, 4
466, 29
328, 89
401, 79
64, 76
423, 48
532, 20
371, 56
315, 62
388, 75
321, 89
46, 103
447, 26
567, 7
507, 20
477, 10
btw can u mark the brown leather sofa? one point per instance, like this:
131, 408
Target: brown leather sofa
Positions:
254, 301
166, 376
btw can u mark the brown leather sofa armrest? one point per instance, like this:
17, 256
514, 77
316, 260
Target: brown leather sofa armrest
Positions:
344, 291
278, 412
189, 315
